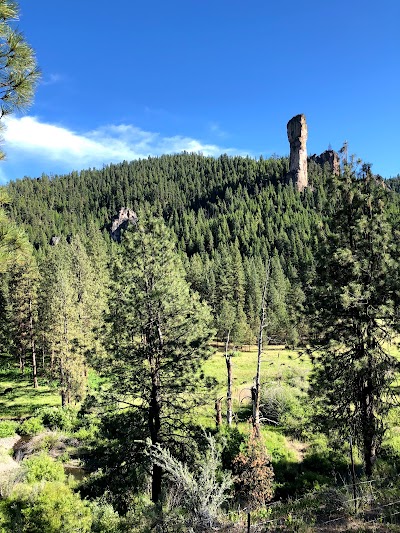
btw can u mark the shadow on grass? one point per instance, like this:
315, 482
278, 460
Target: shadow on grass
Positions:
21, 399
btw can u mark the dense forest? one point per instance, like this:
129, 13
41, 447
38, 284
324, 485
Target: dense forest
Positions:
227, 216
224, 261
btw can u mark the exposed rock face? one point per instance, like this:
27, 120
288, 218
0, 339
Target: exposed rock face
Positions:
121, 221
297, 135
329, 156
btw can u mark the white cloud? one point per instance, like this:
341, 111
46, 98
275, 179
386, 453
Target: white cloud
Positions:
216, 129
52, 79
29, 139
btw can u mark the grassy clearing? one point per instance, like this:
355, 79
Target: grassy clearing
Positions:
278, 364
23, 399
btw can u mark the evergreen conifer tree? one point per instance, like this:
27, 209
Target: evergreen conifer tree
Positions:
159, 333
356, 303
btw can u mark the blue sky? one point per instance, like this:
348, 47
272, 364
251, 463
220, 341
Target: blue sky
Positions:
129, 78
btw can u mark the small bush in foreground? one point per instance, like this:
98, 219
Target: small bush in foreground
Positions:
254, 474
7, 428
43, 468
31, 427
48, 508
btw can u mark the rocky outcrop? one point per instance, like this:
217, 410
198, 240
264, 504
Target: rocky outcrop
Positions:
297, 135
121, 221
329, 157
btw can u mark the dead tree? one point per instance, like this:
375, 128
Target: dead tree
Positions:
256, 389
228, 361
218, 412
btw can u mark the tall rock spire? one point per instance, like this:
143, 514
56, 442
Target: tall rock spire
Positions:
297, 135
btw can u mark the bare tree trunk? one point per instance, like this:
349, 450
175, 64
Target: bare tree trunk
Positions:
32, 339
218, 412
256, 389
63, 376
62, 385
228, 361
21, 361
43, 354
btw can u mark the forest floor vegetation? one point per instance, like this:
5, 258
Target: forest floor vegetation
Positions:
313, 491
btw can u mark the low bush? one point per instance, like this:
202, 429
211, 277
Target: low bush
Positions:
7, 428
105, 518
30, 427
51, 507
42, 468
86, 433
63, 418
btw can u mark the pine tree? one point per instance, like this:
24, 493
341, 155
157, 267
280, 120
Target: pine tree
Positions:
159, 333
356, 314
18, 69
14, 246
23, 287
71, 307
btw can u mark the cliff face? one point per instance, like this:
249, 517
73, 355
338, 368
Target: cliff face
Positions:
121, 221
329, 156
297, 135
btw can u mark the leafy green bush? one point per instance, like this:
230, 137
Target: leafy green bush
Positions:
30, 427
46, 508
325, 458
105, 519
63, 418
7, 428
43, 468
231, 439
86, 433
48, 442
278, 400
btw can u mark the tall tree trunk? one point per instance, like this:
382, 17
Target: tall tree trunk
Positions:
369, 435
63, 376
21, 361
228, 361
154, 422
43, 355
32, 339
256, 389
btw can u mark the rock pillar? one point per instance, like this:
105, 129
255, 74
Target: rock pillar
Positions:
297, 135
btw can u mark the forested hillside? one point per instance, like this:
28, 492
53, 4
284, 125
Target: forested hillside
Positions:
227, 214
224, 259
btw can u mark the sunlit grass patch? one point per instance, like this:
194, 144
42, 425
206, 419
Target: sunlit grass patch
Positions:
19, 399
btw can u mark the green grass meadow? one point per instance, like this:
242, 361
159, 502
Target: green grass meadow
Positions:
23, 400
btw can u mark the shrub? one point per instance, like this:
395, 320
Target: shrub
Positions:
201, 493
324, 457
48, 508
231, 439
63, 418
287, 406
278, 400
254, 474
105, 519
43, 468
30, 427
86, 433
7, 428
